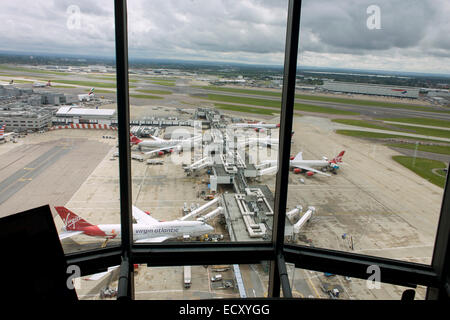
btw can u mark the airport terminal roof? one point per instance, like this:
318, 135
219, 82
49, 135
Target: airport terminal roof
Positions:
75, 111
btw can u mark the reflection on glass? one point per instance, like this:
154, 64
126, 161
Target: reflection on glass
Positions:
98, 286
370, 151
201, 282
319, 285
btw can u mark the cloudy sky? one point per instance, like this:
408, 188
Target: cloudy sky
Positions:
405, 35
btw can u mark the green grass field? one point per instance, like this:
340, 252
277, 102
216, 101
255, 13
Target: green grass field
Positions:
144, 96
164, 83
320, 98
276, 104
88, 83
319, 109
412, 146
395, 127
232, 107
421, 121
423, 167
376, 135
155, 91
3, 67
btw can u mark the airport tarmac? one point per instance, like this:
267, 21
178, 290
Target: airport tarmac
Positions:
45, 169
384, 208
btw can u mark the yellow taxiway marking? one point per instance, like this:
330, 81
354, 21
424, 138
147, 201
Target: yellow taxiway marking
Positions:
314, 288
28, 168
24, 179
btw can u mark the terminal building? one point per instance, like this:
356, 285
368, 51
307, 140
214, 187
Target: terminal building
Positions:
74, 114
368, 89
19, 119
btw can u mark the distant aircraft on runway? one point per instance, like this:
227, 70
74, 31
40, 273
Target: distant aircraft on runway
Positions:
300, 165
42, 85
146, 230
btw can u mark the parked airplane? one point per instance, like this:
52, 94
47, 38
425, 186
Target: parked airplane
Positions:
3, 135
42, 85
161, 145
300, 165
87, 96
147, 229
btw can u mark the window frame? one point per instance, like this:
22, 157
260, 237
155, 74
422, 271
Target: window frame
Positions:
434, 276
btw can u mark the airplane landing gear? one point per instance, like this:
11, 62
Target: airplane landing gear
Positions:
105, 243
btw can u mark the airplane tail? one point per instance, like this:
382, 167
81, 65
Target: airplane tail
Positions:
91, 91
2, 130
299, 156
49, 84
339, 157
134, 139
71, 221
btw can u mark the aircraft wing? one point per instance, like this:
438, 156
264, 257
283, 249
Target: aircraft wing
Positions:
150, 240
160, 149
142, 217
8, 134
98, 276
313, 170
68, 234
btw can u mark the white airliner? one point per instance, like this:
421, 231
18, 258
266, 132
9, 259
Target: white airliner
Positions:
146, 230
160, 146
42, 85
257, 126
87, 96
300, 165
3, 135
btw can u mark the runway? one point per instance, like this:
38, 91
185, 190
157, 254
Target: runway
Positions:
15, 182
47, 172
367, 110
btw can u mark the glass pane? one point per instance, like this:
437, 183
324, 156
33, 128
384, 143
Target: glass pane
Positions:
370, 148
98, 286
201, 282
314, 285
205, 95
57, 106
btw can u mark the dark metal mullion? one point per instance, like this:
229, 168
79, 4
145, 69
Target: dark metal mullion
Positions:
287, 112
123, 117
441, 254
355, 265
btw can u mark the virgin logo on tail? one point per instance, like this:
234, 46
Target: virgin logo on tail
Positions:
71, 223
70, 219
134, 139
339, 157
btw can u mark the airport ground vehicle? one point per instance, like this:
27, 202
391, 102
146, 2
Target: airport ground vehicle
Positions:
217, 277
187, 277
